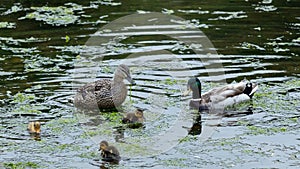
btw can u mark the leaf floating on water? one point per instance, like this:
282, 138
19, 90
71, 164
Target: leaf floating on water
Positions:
67, 38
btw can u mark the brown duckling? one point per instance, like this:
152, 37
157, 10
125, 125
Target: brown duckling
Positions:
109, 153
136, 117
34, 127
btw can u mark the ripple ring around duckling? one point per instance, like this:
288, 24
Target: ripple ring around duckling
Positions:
151, 23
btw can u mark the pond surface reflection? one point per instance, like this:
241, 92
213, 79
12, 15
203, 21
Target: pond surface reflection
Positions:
49, 49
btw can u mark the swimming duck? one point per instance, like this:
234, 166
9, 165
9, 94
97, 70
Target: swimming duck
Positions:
220, 97
104, 93
34, 127
136, 117
109, 153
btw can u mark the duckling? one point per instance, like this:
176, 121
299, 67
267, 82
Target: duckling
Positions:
34, 127
109, 153
136, 117
104, 93
220, 97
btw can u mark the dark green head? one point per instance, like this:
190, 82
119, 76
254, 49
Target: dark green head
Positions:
194, 85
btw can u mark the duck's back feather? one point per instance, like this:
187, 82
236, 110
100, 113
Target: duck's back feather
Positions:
100, 94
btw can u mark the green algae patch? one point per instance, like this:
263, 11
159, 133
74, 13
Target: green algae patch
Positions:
21, 98
266, 130
55, 16
23, 104
8, 25
20, 165
176, 162
60, 125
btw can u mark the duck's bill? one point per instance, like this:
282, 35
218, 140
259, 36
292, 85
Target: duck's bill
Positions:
130, 80
187, 92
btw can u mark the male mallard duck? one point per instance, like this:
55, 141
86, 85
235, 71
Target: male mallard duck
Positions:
136, 117
34, 127
104, 93
109, 153
219, 97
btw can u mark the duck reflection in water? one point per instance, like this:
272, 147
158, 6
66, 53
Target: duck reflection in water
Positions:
196, 129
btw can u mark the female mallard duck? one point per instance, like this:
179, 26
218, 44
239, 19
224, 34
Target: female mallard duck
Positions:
104, 93
136, 117
34, 127
109, 153
219, 97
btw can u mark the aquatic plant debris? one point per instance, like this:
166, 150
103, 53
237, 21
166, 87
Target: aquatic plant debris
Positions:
55, 16
9, 25
42, 66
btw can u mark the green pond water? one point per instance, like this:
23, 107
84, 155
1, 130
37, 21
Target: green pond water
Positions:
50, 48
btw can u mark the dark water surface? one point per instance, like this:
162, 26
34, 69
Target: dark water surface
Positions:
48, 49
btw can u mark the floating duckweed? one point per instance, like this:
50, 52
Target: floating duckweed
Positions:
113, 116
188, 138
43, 64
21, 165
295, 119
107, 2
247, 45
21, 98
25, 109
106, 69
228, 141
260, 130
89, 155
178, 162
67, 120
58, 125
9, 25
16, 8
55, 16
88, 134
67, 38
134, 149
170, 81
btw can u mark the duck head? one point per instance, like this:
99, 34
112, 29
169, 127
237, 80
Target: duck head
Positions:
103, 145
194, 86
123, 72
250, 89
139, 113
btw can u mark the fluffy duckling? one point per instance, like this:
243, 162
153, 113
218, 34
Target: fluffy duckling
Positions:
109, 153
220, 97
34, 127
136, 117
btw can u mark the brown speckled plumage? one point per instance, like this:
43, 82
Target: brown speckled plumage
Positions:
104, 93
